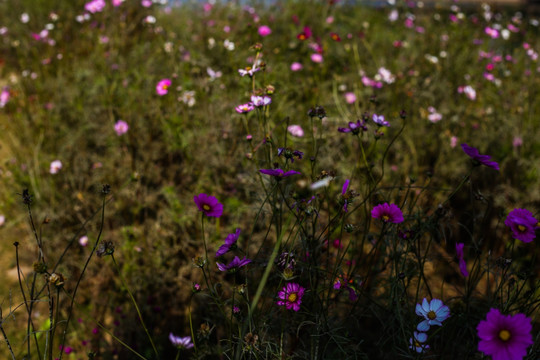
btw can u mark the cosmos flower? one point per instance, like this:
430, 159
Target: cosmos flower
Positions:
379, 120
387, 213
504, 337
344, 195
317, 58
248, 71
290, 154
230, 240
259, 101
523, 224
209, 205
234, 265
55, 167
264, 30
354, 127
417, 342
296, 66
350, 98
162, 87
244, 108
295, 130
181, 342
4, 97
121, 127
461, 259
278, 173
481, 159
95, 6
291, 296
434, 312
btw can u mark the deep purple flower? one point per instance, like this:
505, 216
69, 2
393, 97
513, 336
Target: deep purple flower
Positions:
387, 213
343, 283
209, 205
504, 337
278, 173
290, 154
344, 195
434, 312
482, 159
379, 120
354, 127
523, 224
291, 296
229, 242
234, 265
461, 259
181, 342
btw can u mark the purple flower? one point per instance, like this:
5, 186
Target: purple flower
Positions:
229, 242
234, 265
354, 127
434, 312
417, 343
504, 337
264, 30
278, 173
379, 120
209, 205
259, 101
181, 342
290, 154
523, 224
291, 296
461, 259
481, 159
387, 213
244, 108
344, 194
121, 127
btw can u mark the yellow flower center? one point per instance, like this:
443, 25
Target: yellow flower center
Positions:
292, 297
385, 217
504, 335
431, 315
521, 228
206, 207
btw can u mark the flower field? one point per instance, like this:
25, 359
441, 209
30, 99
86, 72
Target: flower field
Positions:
269, 180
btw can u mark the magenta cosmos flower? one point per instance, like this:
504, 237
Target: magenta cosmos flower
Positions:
523, 224
504, 337
481, 159
387, 213
434, 313
291, 296
209, 205
229, 242
121, 127
278, 173
181, 342
162, 87
234, 265
264, 30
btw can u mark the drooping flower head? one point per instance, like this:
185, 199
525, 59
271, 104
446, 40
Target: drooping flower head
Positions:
162, 87
481, 159
387, 213
504, 337
523, 224
181, 342
290, 154
234, 265
209, 205
229, 242
434, 313
291, 296
278, 173
461, 259
417, 343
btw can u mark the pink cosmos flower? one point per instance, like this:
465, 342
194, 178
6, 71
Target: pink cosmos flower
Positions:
493, 33
259, 101
95, 6
4, 97
461, 259
209, 205
296, 66
504, 337
434, 116
523, 224
387, 213
248, 71
264, 30
146, 3
55, 167
121, 127
453, 141
291, 296
117, 2
317, 58
350, 97
162, 87
244, 108
83, 241
295, 130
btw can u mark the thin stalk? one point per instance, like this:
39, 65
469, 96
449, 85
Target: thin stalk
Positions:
5, 336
